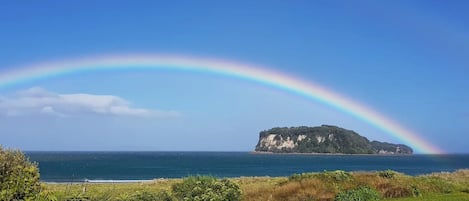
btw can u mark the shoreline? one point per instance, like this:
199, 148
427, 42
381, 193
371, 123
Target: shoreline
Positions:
323, 154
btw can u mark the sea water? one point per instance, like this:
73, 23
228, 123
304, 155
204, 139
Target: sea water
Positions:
138, 166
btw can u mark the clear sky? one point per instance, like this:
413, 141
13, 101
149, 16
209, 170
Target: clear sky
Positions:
408, 60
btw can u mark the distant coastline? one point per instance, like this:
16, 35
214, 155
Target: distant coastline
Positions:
323, 154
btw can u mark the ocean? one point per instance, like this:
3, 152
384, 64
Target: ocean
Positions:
139, 166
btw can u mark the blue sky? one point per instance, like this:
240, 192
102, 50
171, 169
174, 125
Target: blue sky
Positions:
406, 59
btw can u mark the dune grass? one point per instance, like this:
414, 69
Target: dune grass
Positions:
457, 196
321, 186
105, 191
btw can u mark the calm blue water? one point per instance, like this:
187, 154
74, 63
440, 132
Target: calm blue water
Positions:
78, 166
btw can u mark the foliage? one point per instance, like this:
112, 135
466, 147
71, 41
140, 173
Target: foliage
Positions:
334, 176
337, 175
46, 196
77, 197
19, 178
143, 196
363, 193
436, 184
457, 180
165, 196
301, 176
416, 191
388, 174
205, 188
147, 196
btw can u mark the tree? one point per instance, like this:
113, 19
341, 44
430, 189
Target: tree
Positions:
19, 178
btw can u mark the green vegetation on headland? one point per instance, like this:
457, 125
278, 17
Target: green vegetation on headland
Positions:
323, 139
19, 181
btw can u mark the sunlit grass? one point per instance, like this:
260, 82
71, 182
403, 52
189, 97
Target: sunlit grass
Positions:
458, 196
106, 191
309, 186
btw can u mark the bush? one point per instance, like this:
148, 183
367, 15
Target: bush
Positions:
359, 194
19, 178
204, 188
398, 192
388, 174
299, 177
334, 176
165, 196
338, 175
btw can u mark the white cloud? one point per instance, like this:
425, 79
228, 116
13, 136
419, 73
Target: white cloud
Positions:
50, 111
40, 101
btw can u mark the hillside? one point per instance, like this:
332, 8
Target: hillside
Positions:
323, 139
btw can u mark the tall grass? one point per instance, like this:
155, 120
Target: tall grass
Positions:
322, 186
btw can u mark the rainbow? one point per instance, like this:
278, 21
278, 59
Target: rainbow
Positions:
253, 73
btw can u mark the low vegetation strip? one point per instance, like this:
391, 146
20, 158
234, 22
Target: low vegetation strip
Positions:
19, 180
328, 186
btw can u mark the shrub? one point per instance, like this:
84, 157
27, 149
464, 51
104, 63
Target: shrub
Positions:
335, 176
360, 194
388, 174
299, 177
19, 178
165, 196
398, 192
204, 188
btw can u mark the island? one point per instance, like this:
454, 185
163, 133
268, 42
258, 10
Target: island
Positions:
323, 139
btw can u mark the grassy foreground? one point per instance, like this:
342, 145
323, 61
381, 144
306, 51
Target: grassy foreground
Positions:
388, 185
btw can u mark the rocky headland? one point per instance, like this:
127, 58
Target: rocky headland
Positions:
324, 139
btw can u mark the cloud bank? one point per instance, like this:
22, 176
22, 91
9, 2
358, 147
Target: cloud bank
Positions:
38, 101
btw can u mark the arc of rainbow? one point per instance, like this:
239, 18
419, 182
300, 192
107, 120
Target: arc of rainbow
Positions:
243, 71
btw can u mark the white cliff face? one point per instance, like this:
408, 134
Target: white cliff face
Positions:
274, 142
320, 139
301, 137
398, 150
385, 152
271, 143
288, 143
268, 141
